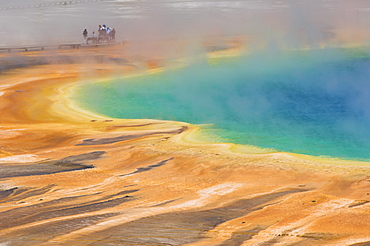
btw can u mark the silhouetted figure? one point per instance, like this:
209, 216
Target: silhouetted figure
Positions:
85, 34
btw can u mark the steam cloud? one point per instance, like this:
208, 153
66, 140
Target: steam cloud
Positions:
270, 26
282, 23
314, 102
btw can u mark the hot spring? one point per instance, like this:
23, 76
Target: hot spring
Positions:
314, 102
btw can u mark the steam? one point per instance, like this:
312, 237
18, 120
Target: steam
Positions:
272, 30
313, 102
283, 23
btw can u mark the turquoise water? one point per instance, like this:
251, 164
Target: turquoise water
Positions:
310, 102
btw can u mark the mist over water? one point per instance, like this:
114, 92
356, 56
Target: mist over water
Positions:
311, 102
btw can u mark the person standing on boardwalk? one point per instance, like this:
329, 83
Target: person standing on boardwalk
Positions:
85, 34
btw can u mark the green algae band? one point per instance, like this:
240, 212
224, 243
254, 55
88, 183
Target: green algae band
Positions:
310, 102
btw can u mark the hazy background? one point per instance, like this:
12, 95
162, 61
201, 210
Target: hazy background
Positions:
25, 22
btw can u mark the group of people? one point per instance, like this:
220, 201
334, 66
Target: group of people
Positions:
105, 34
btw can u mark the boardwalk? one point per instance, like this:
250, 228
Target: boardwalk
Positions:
76, 45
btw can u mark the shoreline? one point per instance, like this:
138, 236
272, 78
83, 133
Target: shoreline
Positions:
103, 176
201, 137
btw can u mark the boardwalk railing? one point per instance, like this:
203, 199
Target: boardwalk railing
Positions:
58, 46
22, 48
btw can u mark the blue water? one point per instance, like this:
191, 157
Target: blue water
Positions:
310, 102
